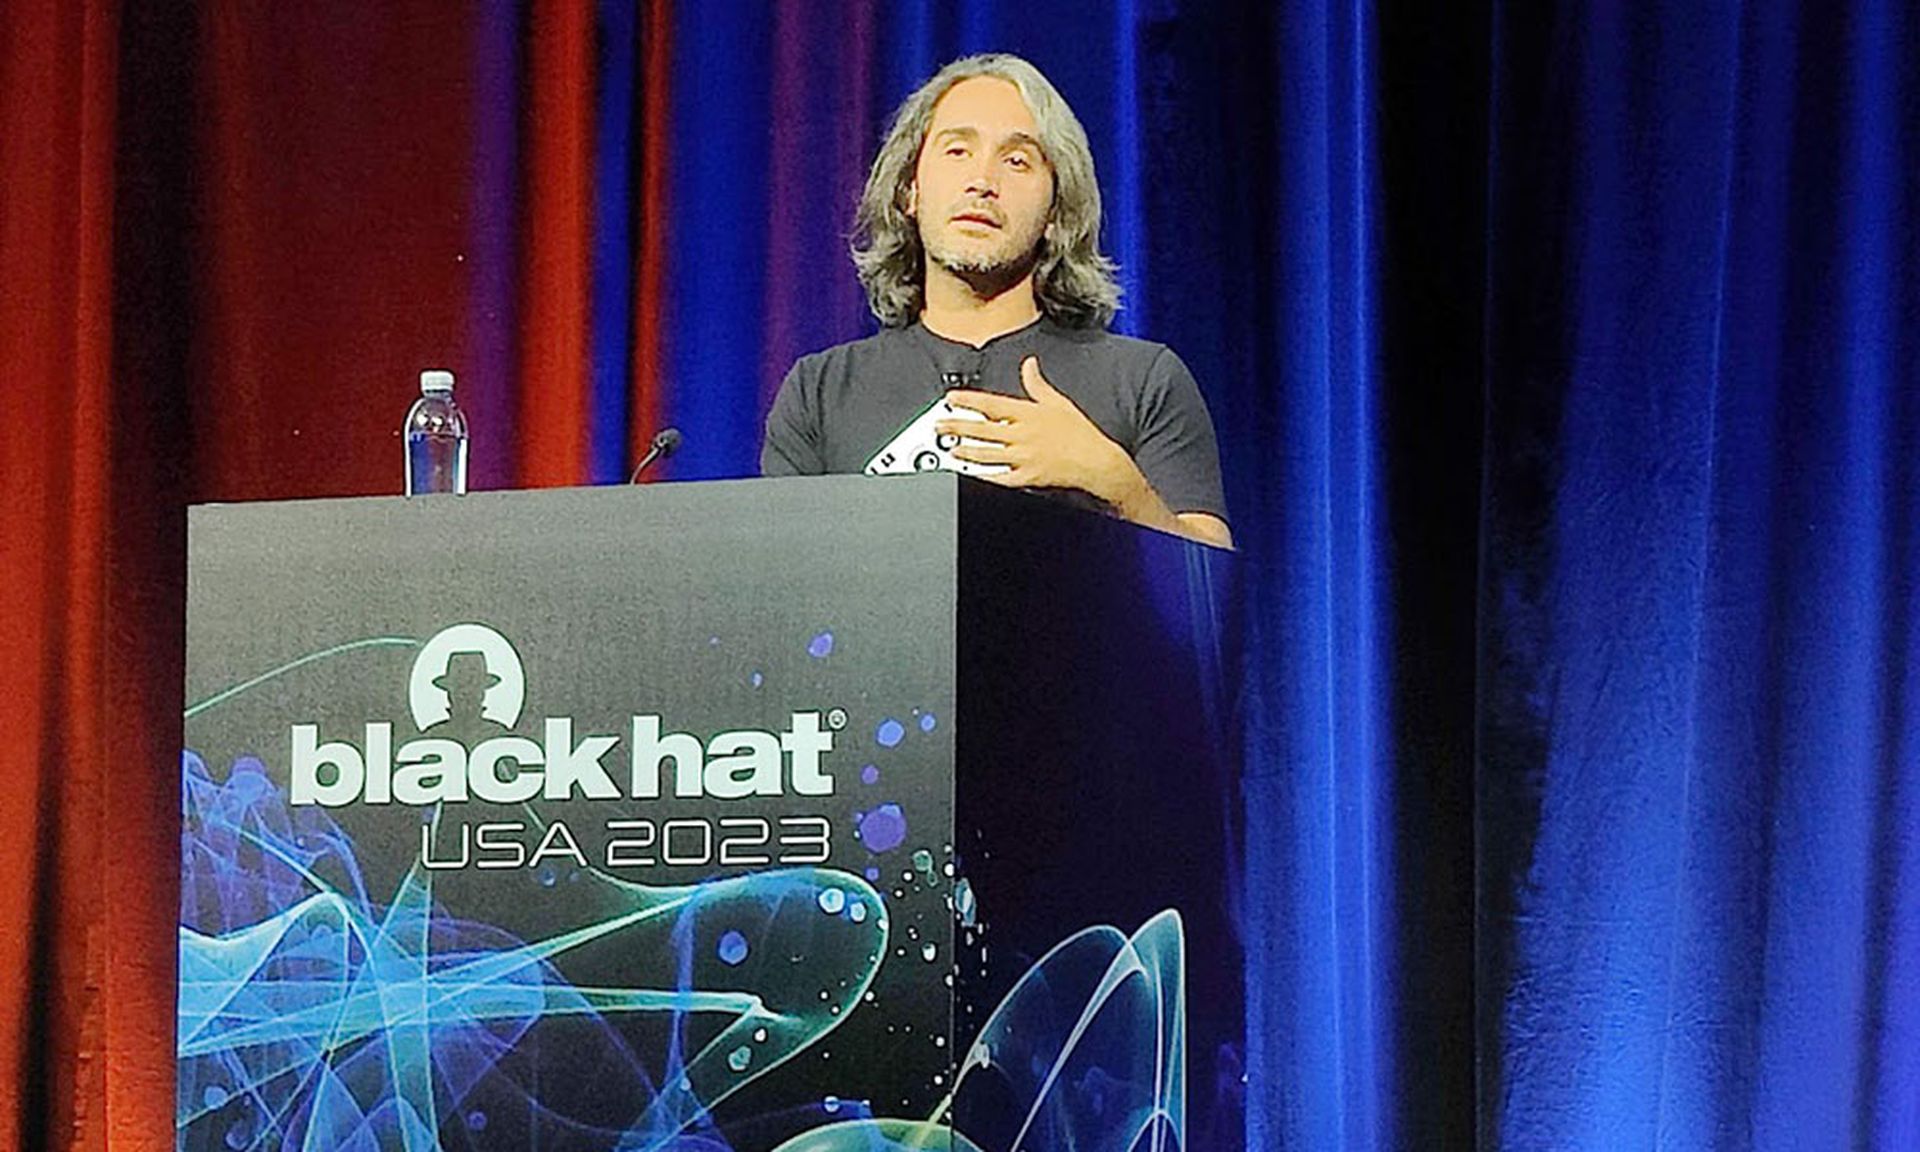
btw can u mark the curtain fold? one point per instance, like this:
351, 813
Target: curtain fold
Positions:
87, 1010
1699, 759
56, 117
1319, 857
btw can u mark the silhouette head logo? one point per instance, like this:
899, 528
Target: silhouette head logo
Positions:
502, 701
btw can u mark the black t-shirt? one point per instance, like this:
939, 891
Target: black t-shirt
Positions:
837, 408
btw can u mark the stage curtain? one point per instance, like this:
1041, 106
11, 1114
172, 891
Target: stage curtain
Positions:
1564, 364
89, 619
1699, 791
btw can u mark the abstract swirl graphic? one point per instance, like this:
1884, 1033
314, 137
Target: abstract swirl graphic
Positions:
324, 1007
320, 1019
1087, 1054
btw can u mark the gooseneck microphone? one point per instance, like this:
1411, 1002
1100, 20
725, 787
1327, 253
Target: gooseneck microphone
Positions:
665, 443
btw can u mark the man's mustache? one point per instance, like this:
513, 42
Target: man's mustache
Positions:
982, 211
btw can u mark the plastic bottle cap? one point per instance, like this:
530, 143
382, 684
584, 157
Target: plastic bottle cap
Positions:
436, 380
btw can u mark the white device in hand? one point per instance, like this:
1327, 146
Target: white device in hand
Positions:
919, 448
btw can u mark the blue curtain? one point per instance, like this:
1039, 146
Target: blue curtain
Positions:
1699, 785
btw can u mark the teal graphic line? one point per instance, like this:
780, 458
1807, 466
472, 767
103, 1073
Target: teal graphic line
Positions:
228, 694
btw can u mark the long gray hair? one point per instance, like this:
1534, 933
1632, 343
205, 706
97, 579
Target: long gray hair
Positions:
1074, 283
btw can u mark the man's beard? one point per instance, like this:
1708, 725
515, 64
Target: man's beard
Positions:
988, 270
993, 262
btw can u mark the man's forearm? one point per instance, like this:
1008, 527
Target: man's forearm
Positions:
1133, 498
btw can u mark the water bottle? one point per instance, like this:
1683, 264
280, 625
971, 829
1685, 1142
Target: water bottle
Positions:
436, 432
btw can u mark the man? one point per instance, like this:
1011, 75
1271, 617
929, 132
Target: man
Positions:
977, 242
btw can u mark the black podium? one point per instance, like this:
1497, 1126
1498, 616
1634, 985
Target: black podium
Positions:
804, 815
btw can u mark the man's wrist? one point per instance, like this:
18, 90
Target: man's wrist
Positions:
1127, 491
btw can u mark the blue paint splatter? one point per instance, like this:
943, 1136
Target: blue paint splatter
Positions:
884, 829
757, 679
889, 733
821, 646
870, 775
963, 903
926, 722
733, 949
873, 874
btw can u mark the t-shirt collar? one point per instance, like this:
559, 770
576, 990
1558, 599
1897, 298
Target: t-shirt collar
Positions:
1017, 336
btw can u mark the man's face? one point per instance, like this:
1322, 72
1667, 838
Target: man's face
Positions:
982, 189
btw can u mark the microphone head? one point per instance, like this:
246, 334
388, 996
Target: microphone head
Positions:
662, 446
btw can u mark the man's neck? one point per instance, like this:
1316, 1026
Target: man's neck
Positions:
956, 310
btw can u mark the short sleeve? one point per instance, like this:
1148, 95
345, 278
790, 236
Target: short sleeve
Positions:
1176, 450
791, 446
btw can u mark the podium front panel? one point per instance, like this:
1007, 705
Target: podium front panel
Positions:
568, 820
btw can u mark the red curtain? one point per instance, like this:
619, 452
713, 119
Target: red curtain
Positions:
227, 244
333, 175
89, 636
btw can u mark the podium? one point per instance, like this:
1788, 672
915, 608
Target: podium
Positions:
809, 815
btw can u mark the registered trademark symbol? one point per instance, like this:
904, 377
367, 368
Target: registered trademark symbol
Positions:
837, 719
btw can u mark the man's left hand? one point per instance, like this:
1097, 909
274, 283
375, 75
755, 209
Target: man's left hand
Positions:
1045, 442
